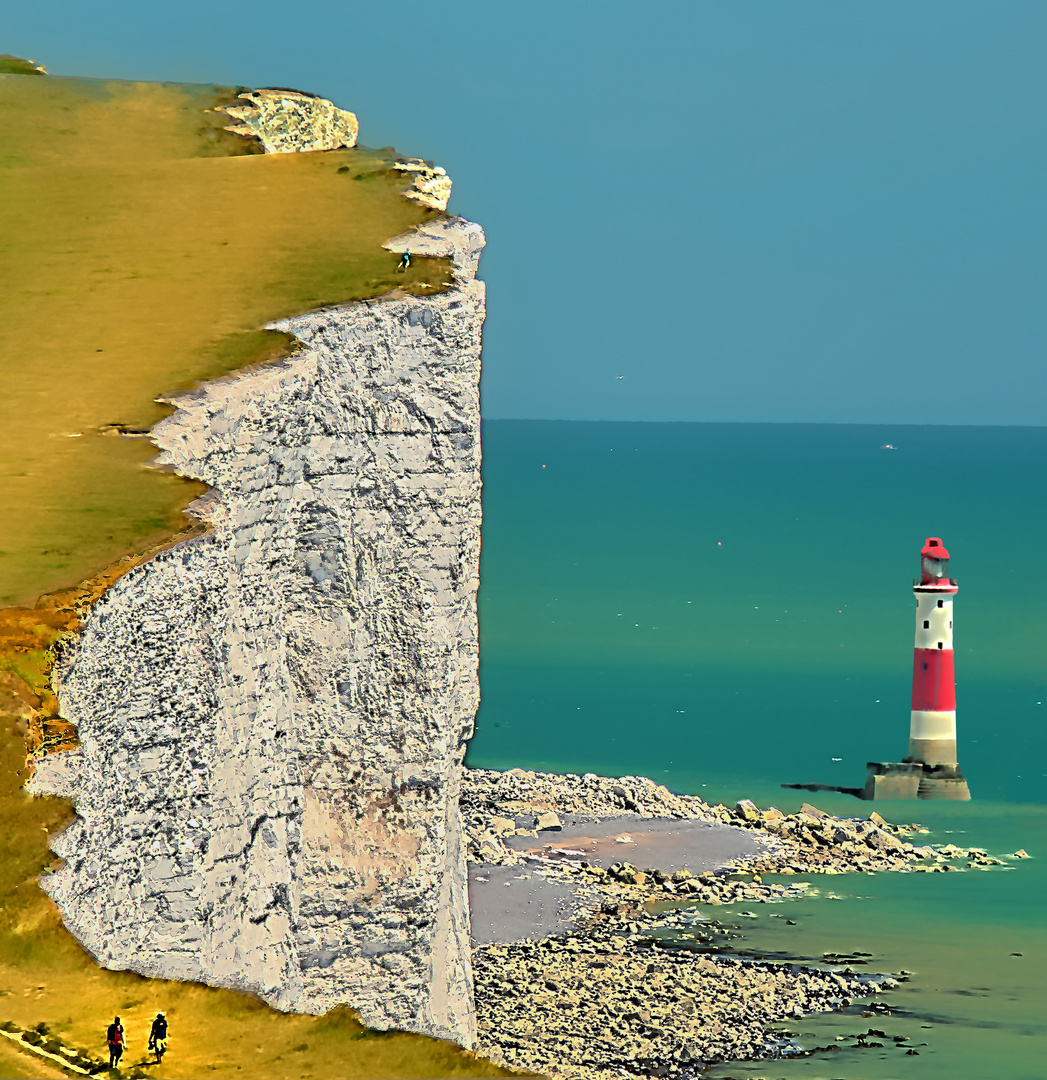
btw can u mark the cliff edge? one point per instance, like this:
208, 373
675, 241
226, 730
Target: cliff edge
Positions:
272, 716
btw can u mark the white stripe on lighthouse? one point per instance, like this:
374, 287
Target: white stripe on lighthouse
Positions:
938, 621
925, 724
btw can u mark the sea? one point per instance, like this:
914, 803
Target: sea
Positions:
727, 608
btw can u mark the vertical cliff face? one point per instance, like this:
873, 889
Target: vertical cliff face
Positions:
272, 717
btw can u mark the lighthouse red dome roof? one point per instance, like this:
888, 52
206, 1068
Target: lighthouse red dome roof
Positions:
933, 548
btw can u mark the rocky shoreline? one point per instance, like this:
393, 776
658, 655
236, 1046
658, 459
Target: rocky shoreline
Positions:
591, 1004
604, 999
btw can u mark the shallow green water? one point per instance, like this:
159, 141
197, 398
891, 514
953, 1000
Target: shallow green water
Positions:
727, 608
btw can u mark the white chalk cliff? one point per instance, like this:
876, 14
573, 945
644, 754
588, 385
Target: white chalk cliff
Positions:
272, 717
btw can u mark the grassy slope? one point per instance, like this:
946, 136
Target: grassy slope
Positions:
141, 250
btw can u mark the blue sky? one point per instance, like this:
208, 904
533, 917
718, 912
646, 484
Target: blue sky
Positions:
802, 211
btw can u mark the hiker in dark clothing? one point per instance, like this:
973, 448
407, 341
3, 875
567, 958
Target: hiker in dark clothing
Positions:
158, 1036
115, 1037
405, 262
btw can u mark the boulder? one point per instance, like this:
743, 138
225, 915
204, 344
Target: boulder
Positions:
842, 832
547, 819
747, 810
624, 797
688, 1052
488, 848
884, 843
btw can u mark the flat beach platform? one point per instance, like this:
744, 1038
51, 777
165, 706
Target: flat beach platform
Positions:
516, 903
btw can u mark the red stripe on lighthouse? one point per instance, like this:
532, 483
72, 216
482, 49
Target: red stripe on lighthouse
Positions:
934, 680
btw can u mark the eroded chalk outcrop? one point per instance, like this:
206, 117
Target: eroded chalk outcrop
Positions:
272, 717
290, 122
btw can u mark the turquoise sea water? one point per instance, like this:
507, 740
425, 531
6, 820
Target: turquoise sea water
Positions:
727, 607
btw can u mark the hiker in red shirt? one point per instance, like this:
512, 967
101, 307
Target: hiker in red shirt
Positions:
115, 1037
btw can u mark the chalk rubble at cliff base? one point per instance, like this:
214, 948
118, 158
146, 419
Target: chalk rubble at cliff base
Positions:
497, 806
586, 1006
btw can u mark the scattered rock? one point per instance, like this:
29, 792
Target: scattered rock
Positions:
429, 184
600, 1006
501, 826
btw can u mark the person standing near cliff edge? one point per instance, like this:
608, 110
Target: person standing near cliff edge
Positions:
115, 1037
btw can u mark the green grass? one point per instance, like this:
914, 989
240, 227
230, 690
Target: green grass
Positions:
15, 65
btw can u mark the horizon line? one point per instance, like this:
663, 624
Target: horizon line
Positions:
792, 423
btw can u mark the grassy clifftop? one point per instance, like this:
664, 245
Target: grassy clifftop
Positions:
142, 249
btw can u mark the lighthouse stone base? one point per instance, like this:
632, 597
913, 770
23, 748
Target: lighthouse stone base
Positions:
915, 780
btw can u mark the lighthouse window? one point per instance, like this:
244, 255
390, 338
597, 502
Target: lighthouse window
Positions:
939, 644
941, 603
924, 667
950, 624
926, 624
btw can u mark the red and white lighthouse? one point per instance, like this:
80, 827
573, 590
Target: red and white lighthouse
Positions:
932, 725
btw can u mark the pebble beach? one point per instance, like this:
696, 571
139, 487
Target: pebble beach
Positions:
569, 876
